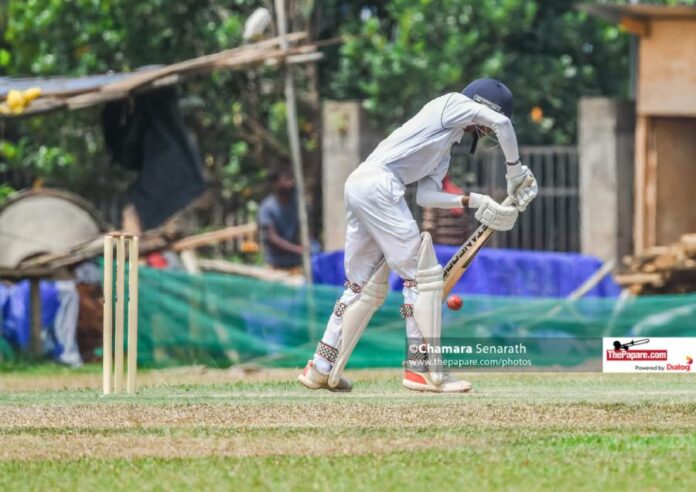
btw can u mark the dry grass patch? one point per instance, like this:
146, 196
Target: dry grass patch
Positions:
440, 413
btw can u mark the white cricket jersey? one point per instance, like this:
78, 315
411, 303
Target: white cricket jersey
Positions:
421, 147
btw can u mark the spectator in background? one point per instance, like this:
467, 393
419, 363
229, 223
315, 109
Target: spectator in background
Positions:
279, 223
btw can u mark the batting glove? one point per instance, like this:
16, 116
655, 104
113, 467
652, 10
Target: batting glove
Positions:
520, 188
491, 213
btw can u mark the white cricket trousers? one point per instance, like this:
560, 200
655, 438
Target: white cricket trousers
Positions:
379, 225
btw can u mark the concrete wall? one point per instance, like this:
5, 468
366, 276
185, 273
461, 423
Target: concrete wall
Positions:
347, 139
606, 130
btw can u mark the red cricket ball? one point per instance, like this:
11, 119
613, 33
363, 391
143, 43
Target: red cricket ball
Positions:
454, 302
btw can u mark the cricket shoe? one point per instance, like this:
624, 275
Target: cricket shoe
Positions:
313, 379
422, 381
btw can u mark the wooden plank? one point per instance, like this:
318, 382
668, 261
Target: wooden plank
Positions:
305, 58
634, 25
93, 98
248, 58
298, 54
50, 265
674, 147
688, 243
206, 61
654, 279
650, 187
213, 237
261, 273
639, 180
235, 61
654, 251
593, 280
666, 71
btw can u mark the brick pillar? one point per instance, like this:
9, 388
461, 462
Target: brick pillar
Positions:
606, 129
347, 139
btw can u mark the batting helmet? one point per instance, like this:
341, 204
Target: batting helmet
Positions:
491, 93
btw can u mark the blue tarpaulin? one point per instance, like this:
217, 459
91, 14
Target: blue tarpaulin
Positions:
499, 272
15, 310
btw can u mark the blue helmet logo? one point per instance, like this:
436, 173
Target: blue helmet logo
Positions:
491, 93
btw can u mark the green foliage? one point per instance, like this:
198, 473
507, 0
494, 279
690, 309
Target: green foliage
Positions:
547, 52
5, 191
405, 53
92, 36
44, 159
79, 37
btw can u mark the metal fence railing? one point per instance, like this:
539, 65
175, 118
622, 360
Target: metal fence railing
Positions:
552, 221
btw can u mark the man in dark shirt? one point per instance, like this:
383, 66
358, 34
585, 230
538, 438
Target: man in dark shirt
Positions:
279, 223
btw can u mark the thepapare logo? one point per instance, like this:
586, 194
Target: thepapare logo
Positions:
624, 351
636, 355
618, 345
675, 355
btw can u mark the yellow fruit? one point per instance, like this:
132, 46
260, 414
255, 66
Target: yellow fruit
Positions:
15, 99
31, 94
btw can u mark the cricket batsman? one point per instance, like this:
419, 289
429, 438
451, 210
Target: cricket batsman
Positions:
382, 234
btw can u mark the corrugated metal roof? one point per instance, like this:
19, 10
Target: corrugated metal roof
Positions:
79, 92
61, 86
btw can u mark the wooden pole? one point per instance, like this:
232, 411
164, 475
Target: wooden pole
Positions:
294, 137
35, 301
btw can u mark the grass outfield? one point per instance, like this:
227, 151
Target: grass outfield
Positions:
225, 430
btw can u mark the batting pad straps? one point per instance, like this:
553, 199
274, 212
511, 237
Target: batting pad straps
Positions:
352, 286
356, 316
340, 308
327, 352
416, 359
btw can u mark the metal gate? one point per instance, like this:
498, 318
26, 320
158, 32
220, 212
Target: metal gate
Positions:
552, 221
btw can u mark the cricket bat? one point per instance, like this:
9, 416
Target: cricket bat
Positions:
460, 262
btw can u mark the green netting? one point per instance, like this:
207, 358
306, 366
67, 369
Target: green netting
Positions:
220, 320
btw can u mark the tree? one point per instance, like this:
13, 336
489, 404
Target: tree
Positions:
237, 118
547, 52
